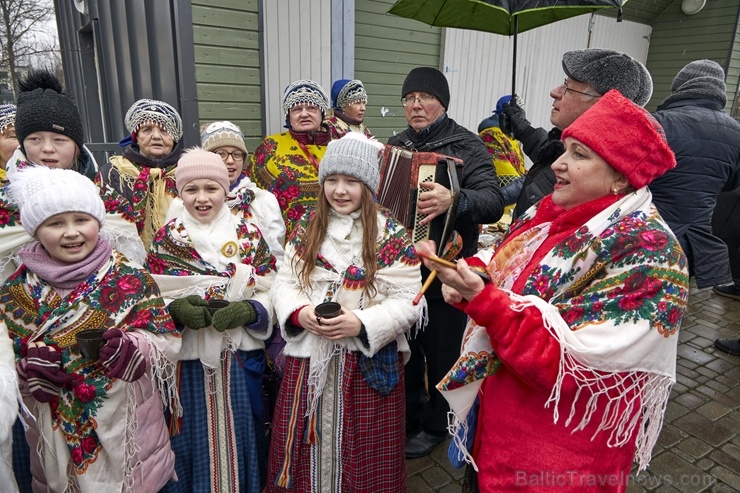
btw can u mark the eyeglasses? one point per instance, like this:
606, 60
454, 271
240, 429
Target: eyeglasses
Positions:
310, 108
235, 155
565, 84
422, 100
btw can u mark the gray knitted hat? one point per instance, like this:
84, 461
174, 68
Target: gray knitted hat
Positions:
151, 111
353, 155
305, 91
221, 134
701, 78
429, 80
608, 69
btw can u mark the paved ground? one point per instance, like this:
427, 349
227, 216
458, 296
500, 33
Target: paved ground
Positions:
699, 447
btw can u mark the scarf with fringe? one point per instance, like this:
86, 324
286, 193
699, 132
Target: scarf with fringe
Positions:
613, 341
119, 295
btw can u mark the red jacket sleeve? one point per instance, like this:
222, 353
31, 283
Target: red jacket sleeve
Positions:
519, 338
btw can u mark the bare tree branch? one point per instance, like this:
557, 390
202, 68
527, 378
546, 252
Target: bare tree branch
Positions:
23, 35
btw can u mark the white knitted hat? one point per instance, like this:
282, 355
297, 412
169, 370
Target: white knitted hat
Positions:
353, 155
42, 192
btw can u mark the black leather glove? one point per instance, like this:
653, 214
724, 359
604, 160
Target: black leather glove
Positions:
516, 121
236, 314
191, 311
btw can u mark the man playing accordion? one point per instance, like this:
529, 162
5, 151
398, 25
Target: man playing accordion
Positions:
425, 98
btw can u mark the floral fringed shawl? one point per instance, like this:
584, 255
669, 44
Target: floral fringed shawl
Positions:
613, 294
281, 166
88, 412
180, 270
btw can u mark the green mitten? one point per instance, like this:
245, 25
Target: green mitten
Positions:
191, 311
235, 314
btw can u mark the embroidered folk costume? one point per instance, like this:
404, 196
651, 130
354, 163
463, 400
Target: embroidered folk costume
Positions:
339, 418
92, 423
571, 349
287, 164
147, 182
219, 371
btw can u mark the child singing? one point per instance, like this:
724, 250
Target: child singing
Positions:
204, 256
96, 423
339, 422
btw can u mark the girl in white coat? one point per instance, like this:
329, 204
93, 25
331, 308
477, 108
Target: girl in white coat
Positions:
340, 415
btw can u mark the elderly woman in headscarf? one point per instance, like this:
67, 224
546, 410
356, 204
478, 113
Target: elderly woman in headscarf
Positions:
350, 99
8, 139
570, 353
287, 164
145, 173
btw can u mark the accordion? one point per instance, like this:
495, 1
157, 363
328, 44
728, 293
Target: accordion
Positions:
401, 171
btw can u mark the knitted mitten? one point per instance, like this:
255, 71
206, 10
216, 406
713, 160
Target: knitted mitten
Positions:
121, 357
191, 311
235, 314
44, 374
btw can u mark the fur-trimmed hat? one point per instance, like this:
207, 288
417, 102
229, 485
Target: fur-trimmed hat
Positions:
353, 155
197, 163
222, 134
151, 111
305, 91
626, 136
429, 80
345, 92
42, 192
608, 69
7, 116
701, 78
42, 106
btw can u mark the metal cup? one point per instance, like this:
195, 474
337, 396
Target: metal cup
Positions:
215, 305
329, 309
90, 341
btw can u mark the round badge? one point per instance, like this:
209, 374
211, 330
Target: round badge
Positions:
229, 249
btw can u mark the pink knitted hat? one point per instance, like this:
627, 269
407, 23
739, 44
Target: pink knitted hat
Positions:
197, 163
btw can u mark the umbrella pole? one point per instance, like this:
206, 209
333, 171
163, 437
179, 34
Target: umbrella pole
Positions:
513, 65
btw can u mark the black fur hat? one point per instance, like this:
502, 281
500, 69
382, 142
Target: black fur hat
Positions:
44, 107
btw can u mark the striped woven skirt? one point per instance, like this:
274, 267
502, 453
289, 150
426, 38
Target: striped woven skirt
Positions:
354, 443
220, 441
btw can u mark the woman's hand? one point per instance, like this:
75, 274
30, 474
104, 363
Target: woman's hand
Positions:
460, 282
345, 325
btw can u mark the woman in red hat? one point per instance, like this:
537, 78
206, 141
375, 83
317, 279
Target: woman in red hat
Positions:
569, 355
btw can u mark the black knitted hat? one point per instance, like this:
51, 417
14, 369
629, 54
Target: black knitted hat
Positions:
608, 69
430, 80
43, 107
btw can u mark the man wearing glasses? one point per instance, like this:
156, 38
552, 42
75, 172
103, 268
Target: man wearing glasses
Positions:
425, 99
589, 74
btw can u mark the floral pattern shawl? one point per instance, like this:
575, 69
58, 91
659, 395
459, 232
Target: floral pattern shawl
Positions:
338, 128
280, 166
613, 294
181, 271
119, 295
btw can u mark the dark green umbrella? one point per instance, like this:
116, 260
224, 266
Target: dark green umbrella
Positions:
508, 17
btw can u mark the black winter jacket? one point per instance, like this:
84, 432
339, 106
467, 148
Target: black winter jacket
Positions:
543, 148
706, 142
481, 201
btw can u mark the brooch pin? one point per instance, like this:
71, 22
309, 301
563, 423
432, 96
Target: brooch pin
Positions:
229, 249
